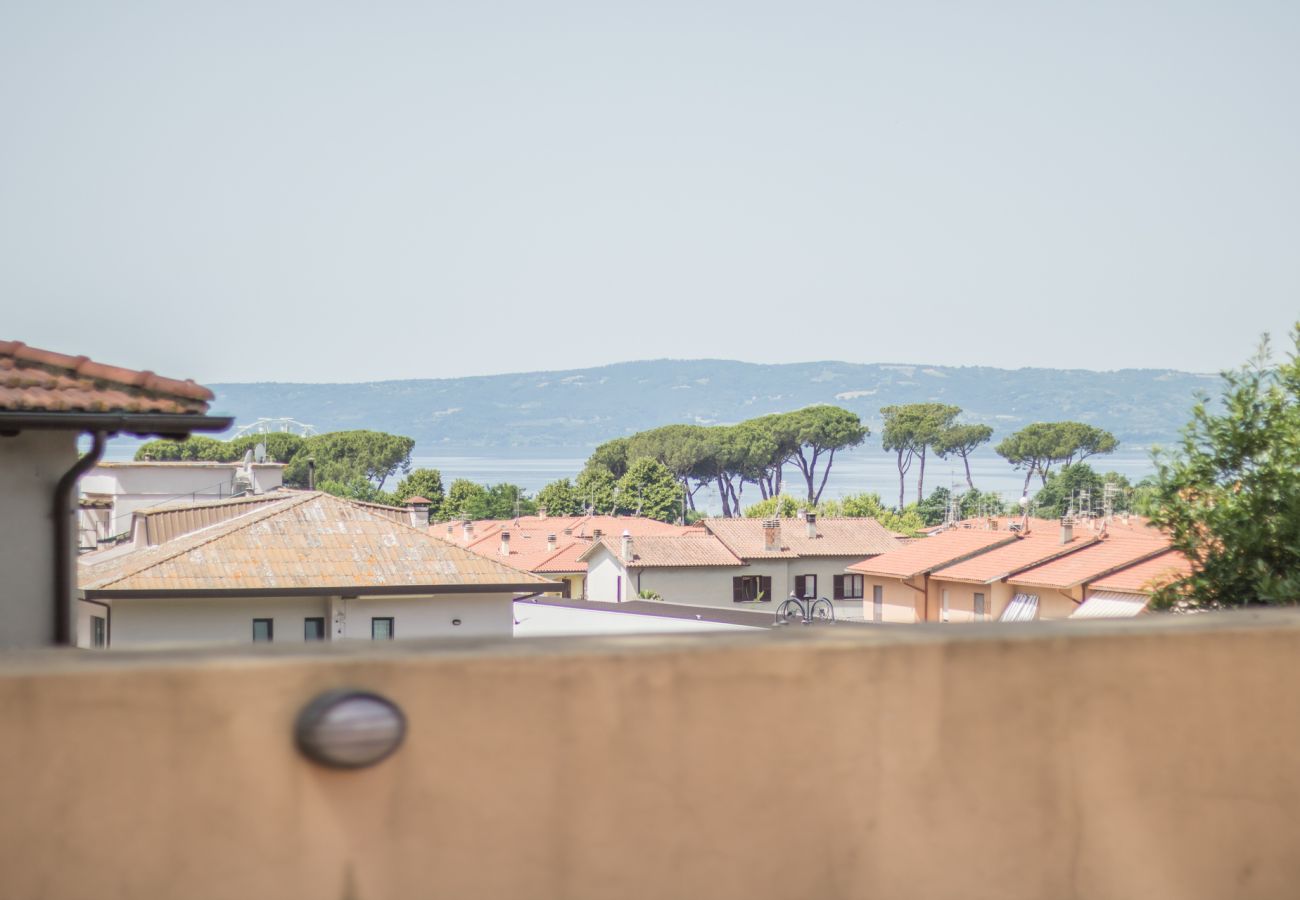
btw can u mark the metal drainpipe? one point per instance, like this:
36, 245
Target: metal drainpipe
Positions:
62, 523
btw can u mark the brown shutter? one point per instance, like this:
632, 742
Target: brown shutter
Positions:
838, 583
737, 590
800, 582
765, 585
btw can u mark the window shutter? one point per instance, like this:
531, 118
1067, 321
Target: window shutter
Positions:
765, 585
737, 590
800, 582
838, 584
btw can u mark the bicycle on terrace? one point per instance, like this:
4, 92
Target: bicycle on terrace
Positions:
807, 611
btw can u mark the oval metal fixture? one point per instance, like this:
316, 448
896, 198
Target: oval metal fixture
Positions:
348, 729
455, 621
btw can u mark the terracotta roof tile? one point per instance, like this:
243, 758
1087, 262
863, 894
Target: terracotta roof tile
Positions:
927, 554
1002, 560
856, 537
671, 551
1145, 576
34, 380
1113, 551
310, 540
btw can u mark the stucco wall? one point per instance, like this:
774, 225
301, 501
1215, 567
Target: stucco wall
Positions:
138, 622
1152, 759
135, 487
900, 602
31, 464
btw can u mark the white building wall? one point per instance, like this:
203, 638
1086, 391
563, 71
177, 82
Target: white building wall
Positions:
134, 486
137, 622
31, 464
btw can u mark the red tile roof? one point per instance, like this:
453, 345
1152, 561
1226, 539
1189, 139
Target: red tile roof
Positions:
926, 554
33, 380
856, 537
671, 551
1001, 561
1094, 561
309, 540
1143, 577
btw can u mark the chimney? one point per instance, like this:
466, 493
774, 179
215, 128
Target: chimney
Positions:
419, 508
541, 512
627, 546
504, 549
1067, 529
467, 530
311, 473
550, 543
771, 534
450, 530
811, 519
595, 534
568, 532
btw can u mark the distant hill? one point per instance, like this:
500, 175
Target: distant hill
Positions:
572, 410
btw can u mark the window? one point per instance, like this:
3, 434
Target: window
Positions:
848, 587
748, 588
263, 630
98, 631
877, 603
381, 628
943, 599
313, 629
805, 586
979, 606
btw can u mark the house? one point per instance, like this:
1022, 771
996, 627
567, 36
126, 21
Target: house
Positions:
966, 575
112, 491
47, 401
727, 561
292, 566
550, 546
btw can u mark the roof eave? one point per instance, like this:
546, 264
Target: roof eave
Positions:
351, 590
172, 425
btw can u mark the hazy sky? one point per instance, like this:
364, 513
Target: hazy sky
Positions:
353, 191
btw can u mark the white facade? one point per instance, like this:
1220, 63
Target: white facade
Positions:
610, 581
140, 622
140, 485
31, 464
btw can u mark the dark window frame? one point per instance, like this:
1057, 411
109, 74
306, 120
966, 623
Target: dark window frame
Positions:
747, 588
98, 631
270, 631
320, 622
801, 587
392, 628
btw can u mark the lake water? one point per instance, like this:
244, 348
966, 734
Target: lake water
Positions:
852, 473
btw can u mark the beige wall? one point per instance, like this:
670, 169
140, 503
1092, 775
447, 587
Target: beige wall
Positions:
900, 602
31, 464
1099, 760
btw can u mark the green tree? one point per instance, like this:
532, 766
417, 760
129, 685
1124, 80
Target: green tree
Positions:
466, 500
1074, 484
426, 483
595, 488
821, 431
343, 456
1229, 495
505, 501
648, 488
910, 430
280, 445
355, 488
560, 499
1038, 447
611, 456
961, 441
196, 448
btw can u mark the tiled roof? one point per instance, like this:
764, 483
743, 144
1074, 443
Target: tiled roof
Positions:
998, 562
1113, 551
926, 554
309, 541
564, 560
671, 551
33, 380
1145, 576
166, 522
856, 537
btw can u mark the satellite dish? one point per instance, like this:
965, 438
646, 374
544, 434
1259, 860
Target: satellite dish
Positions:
259, 453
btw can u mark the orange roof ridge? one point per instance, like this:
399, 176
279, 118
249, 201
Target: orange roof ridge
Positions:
17, 358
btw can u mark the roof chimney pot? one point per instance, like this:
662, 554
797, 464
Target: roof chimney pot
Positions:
772, 535
504, 549
811, 519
